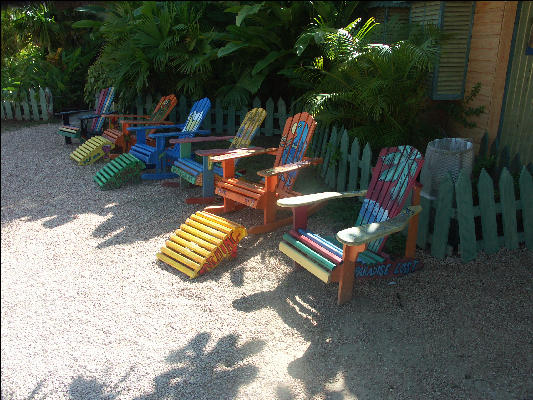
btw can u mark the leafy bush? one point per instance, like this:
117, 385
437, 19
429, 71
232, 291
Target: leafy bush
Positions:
376, 91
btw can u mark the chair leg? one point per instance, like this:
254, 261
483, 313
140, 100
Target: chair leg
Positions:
347, 272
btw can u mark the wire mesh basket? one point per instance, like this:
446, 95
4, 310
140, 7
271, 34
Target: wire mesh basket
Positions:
443, 156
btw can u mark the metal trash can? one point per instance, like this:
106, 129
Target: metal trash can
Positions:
443, 156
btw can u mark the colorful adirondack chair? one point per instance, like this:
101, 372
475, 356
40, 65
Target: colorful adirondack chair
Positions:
121, 137
84, 131
157, 157
358, 253
279, 180
203, 174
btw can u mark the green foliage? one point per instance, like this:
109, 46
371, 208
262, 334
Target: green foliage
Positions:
460, 110
42, 50
376, 91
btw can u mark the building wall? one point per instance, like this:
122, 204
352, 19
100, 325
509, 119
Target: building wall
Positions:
516, 128
490, 46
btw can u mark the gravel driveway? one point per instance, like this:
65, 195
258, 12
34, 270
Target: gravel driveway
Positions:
88, 312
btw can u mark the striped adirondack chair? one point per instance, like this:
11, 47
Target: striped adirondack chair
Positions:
358, 252
142, 155
278, 181
203, 174
83, 131
120, 137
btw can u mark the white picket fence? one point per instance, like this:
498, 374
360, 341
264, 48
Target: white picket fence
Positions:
37, 105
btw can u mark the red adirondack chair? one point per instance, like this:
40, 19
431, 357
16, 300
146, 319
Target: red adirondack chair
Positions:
123, 139
279, 180
357, 252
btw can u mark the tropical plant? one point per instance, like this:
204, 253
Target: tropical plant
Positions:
375, 90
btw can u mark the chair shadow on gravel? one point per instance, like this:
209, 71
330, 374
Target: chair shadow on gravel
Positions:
387, 343
196, 373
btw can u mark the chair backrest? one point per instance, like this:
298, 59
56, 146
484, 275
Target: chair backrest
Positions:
199, 111
393, 177
163, 108
104, 105
249, 127
295, 138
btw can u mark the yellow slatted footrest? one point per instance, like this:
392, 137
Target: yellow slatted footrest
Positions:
200, 244
91, 150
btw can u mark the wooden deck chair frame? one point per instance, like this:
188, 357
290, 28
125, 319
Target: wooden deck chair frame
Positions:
361, 252
279, 180
206, 173
83, 132
121, 137
160, 156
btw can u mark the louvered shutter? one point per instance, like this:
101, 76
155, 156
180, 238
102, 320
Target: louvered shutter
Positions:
454, 18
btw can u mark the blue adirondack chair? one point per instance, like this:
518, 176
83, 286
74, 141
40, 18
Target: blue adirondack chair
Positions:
84, 131
159, 156
357, 252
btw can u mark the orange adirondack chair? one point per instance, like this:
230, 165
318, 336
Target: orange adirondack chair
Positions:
121, 137
278, 181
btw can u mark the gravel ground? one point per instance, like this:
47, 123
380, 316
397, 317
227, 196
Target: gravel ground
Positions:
88, 312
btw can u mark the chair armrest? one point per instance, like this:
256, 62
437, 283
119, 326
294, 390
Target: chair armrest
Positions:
137, 122
91, 116
172, 134
71, 112
128, 116
241, 153
201, 139
145, 128
210, 152
283, 168
308, 199
359, 235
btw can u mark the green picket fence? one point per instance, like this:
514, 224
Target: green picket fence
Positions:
36, 105
344, 167
221, 119
485, 227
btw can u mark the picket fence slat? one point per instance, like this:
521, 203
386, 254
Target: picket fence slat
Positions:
7, 107
332, 162
182, 108
343, 162
508, 209
487, 207
34, 107
465, 217
219, 116
44, 110
526, 198
324, 146
50, 101
18, 115
148, 104
365, 167
269, 120
281, 114
329, 151
354, 166
331, 174
442, 218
